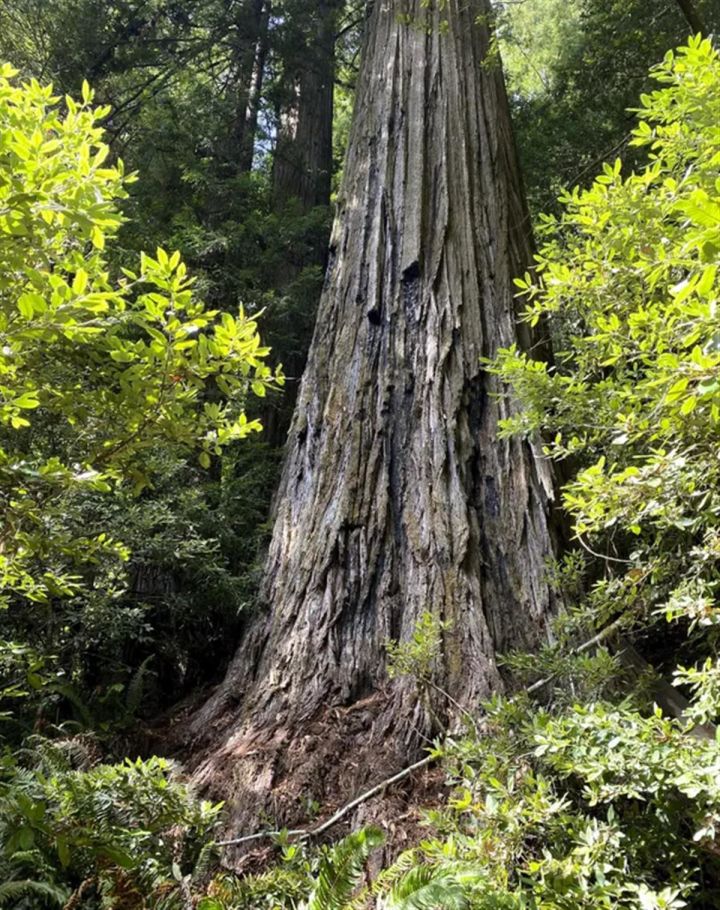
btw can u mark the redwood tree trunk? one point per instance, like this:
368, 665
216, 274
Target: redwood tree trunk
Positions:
246, 140
302, 168
398, 497
301, 181
693, 17
250, 31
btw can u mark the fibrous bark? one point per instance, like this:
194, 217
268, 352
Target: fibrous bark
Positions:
398, 496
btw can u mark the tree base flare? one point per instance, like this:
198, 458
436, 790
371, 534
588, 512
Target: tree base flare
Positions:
289, 777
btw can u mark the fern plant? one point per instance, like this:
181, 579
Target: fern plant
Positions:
29, 893
426, 887
340, 870
326, 878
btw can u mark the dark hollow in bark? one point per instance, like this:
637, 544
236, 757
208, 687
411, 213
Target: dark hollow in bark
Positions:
398, 496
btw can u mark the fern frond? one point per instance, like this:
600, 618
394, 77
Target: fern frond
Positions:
276, 889
57, 756
11, 892
385, 879
207, 859
72, 694
427, 888
341, 869
136, 687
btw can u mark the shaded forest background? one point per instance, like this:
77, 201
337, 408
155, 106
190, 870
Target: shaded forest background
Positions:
236, 116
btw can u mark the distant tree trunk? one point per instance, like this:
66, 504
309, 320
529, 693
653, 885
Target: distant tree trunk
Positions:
246, 140
693, 17
302, 166
301, 182
249, 52
398, 496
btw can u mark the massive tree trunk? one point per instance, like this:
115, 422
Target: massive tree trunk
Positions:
398, 496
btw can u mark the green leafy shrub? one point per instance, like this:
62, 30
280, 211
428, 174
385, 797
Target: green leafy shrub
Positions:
104, 380
604, 802
632, 271
112, 835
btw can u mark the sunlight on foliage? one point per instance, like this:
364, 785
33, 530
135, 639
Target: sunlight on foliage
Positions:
95, 373
99, 374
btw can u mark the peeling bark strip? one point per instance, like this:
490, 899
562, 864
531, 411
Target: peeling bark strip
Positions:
397, 496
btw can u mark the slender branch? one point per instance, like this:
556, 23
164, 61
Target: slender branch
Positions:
606, 557
595, 640
396, 778
307, 833
351, 25
261, 835
597, 161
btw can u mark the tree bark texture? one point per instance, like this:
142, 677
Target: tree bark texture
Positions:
398, 496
